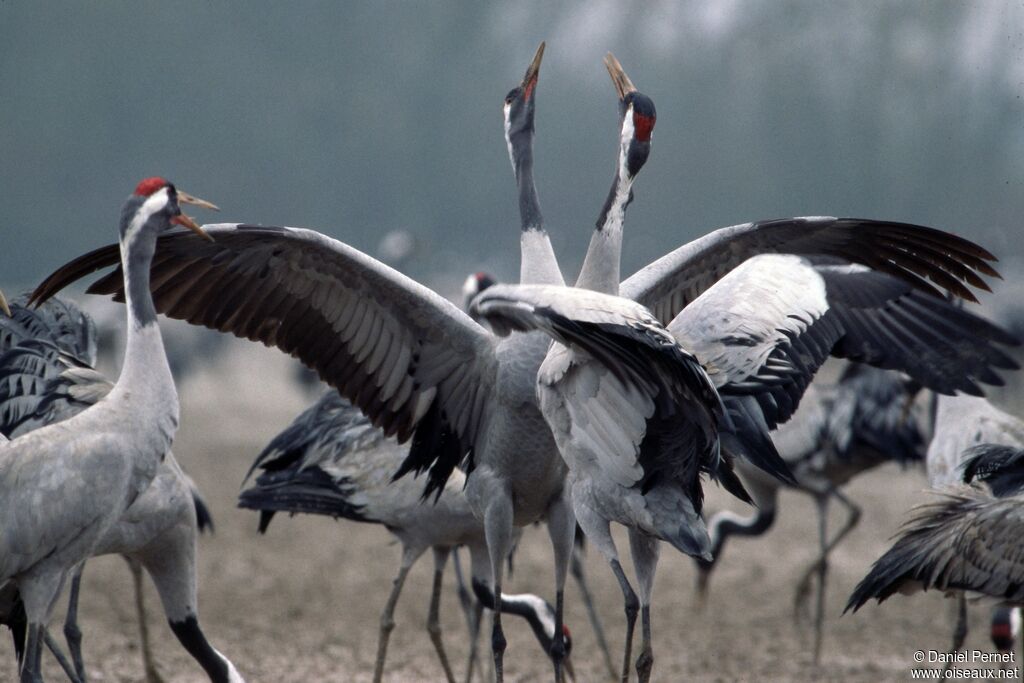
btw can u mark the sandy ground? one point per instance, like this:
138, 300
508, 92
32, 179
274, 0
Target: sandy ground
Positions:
302, 603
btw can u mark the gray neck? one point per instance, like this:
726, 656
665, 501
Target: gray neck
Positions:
538, 263
530, 217
600, 270
136, 258
145, 376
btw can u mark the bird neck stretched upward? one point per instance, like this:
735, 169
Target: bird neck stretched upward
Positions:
538, 262
600, 271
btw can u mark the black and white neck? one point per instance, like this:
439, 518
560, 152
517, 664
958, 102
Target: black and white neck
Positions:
539, 265
601, 266
537, 612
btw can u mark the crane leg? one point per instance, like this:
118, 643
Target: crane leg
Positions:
434, 614
959, 631
473, 610
820, 566
632, 606
562, 531
387, 620
644, 550
148, 661
73, 634
58, 654
577, 571
31, 666
498, 532
474, 640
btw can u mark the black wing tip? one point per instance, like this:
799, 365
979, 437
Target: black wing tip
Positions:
204, 519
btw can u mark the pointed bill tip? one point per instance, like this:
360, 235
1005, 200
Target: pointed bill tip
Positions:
623, 86
533, 71
187, 222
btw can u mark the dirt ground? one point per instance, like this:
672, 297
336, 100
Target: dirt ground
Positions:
302, 603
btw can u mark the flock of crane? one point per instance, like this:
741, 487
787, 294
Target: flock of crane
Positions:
608, 401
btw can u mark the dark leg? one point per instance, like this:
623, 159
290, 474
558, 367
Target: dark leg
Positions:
73, 634
645, 662
562, 531
434, 617
387, 621
576, 568
148, 661
30, 668
55, 650
632, 605
959, 631
498, 532
852, 518
819, 610
474, 639
644, 550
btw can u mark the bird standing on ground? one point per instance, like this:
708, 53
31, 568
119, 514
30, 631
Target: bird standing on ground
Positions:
969, 435
838, 432
762, 331
47, 376
419, 367
423, 370
332, 461
966, 542
97, 462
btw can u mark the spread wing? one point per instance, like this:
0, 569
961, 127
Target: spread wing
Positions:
409, 359
912, 253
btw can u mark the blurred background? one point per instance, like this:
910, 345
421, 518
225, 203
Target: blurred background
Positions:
379, 123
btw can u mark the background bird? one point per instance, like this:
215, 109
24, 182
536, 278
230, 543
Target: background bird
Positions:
97, 462
839, 431
968, 541
46, 376
332, 461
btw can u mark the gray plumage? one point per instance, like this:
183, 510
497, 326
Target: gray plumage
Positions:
838, 432
101, 460
967, 541
942, 546
46, 378
332, 461
419, 367
416, 366
960, 423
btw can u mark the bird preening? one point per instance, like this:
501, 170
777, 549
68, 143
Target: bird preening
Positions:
612, 401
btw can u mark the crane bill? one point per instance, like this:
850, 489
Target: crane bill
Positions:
533, 70
623, 86
186, 198
187, 222
4, 306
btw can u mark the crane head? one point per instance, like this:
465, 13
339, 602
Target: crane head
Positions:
638, 117
156, 205
518, 107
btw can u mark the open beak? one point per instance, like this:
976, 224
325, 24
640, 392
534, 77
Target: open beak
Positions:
623, 86
186, 221
186, 198
4, 307
183, 220
533, 71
